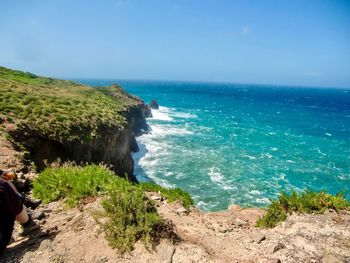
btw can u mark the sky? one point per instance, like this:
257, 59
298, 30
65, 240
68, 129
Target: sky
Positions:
304, 43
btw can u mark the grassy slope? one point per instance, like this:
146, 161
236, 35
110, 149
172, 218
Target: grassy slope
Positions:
57, 108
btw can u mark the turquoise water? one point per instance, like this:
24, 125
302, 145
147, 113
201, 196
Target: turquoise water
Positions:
243, 144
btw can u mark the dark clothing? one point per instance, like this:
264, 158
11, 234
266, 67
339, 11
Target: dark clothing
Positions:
10, 206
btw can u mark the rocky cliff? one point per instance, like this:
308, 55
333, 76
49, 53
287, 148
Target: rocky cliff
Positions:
54, 120
112, 145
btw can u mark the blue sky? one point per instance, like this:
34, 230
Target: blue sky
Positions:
267, 42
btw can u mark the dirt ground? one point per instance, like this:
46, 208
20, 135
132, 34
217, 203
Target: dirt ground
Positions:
72, 235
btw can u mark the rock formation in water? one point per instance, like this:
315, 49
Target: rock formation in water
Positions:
154, 105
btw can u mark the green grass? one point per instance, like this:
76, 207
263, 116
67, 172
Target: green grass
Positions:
127, 216
73, 183
59, 109
305, 202
172, 194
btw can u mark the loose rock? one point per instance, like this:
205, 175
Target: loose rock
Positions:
38, 215
181, 210
257, 238
279, 246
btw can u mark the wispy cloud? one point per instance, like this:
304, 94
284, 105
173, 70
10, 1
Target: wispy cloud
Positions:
245, 29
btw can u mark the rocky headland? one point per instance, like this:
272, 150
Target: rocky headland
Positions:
44, 120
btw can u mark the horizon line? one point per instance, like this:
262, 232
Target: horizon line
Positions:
210, 82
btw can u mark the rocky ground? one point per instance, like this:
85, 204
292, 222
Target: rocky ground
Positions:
72, 235
10, 159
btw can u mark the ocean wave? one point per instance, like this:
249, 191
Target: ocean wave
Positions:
206, 206
250, 157
168, 114
158, 130
162, 114
183, 115
255, 192
264, 201
216, 177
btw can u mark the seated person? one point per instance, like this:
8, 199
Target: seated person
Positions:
12, 179
11, 209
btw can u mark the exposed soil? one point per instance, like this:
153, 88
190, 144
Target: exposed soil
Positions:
10, 159
72, 235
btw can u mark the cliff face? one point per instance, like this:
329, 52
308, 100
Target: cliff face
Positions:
111, 146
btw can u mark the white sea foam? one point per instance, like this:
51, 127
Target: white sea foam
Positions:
165, 130
161, 114
343, 177
319, 151
268, 155
255, 192
153, 149
215, 175
250, 157
168, 114
183, 115
262, 200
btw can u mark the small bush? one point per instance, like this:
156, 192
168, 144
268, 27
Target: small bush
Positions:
130, 216
127, 215
305, 202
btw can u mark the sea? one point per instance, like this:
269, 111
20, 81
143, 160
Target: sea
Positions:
241, 144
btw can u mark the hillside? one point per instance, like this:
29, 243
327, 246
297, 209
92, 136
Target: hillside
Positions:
58, 109
46, 119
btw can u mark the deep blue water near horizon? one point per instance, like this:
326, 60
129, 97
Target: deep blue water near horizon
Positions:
243, 144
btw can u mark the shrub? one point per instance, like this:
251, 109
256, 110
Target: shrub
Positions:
127, 215
130, 216
305, 202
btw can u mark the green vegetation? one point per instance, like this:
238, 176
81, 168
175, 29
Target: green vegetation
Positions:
131, 216
59, 109
127, 216
305, 202
73, 183
172, 194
